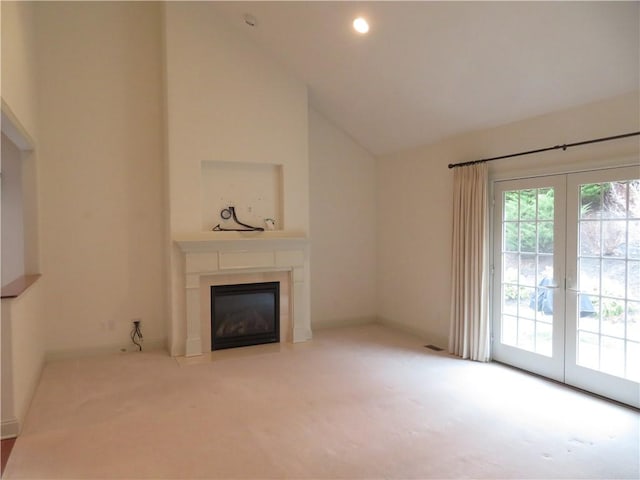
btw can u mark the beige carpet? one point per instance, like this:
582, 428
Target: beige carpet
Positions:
357, 402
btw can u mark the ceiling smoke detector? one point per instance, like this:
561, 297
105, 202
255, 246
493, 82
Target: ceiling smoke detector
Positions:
249, 19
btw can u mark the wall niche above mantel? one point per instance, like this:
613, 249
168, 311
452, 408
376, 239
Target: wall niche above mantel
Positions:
254, 189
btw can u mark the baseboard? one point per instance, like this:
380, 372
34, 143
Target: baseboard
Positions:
301, 334
416, 332
9, 428
343, 322
147, 346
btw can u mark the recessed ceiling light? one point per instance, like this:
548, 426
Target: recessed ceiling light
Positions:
361, 25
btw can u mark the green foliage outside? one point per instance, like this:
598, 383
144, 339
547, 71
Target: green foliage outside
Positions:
534, 210
516, 292
612, 309
528, 209
592, 197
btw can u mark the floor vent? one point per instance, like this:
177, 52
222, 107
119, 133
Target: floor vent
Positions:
434, 347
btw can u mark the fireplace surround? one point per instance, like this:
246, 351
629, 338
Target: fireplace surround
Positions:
236, 257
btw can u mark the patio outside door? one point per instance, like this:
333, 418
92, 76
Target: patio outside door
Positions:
566, 301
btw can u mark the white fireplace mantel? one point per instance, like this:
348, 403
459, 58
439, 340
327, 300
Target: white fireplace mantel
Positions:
215, 253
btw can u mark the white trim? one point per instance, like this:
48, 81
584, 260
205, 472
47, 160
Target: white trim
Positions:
596, 381
147, 346
14, 130
551, 367
343, 322
423, 335
600, 383
217, 253
566, 169
10, 428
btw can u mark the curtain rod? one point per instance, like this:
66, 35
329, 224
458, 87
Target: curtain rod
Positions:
555, 147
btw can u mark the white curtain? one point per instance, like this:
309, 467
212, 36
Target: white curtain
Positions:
469, 332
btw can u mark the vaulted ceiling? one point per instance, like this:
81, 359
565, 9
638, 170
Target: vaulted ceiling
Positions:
428, 70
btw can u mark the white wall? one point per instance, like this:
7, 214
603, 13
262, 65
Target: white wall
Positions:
101, 173
226, 102
22, 318
415, 191
98, 78
19, 62
343, 226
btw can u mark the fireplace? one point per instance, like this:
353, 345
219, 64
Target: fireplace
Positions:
229, 258
245, 314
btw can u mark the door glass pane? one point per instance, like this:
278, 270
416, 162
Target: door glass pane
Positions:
528, 234
510, 237
614, 199
614, 242
634, 199
589, 275
609, 278
588, 350
613, 318
633, 280
527, 269
511, 206
590, 201
543, 338
613, 278
545, 204
589, 320
633, 361
633, 321
590, 238
633, 250
545, 237
545, 269
528, 202
509, 330
526, 334
612, 356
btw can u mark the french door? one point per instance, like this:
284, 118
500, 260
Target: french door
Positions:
566, 282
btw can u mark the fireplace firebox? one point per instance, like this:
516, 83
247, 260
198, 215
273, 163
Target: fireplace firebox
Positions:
245, 314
